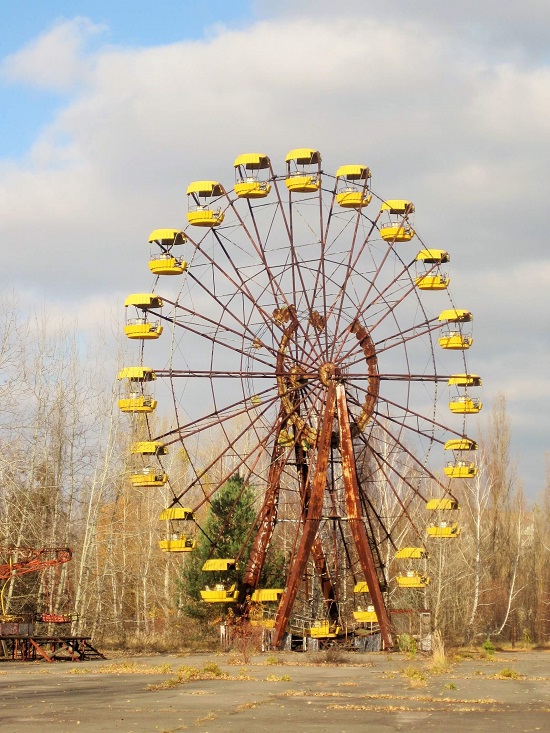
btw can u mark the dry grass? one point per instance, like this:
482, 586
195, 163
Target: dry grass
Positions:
335, 656
396, 696
247, 706
132, 668
415, 676
458, 708
507, 674
273, 660
188, 673
303, 693
438, 664
205, 719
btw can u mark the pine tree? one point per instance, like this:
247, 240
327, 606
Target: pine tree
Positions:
225, 531
226, 534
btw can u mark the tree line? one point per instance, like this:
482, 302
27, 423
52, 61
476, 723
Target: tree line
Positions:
64, 482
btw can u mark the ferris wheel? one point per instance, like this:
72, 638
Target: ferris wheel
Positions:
311, 346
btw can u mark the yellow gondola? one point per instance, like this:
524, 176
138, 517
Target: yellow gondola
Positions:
148, 477
353, 194
303, 167
137, 374
248, 184
413, 579
461, 444
219, 563
167, 238
149, 448
361, 587
365, 617
141, 328
178, 543
460, 469
456, 315
430, 278
135, 400
219, 594
465, 380
432, 282
446, 504
397, 227
433, 256
165, 262
144, 301
465, 405
455, 338
176, 540
443, 530
201, 197
183, 513
138, 403
323, 630
411, 553
266, 595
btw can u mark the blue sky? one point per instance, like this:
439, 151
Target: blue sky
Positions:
110, 108
134, 23
131, 22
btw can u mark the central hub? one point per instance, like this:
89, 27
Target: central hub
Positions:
301, 401
328, 372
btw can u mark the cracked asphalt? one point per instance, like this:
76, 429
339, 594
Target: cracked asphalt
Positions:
281, 692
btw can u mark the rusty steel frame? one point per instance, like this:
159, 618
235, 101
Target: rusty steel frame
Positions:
29, 647
355, 517
312, 519
306, 366
23, 560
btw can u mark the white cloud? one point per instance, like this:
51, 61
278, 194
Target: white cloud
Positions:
518, 28
462, 130
56, 60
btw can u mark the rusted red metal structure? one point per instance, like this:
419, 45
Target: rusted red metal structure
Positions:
18, 637
300, 340
23, 560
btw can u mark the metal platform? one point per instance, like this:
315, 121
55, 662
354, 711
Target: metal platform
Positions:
72, 648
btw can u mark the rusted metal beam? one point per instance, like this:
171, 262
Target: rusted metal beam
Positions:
267, 520
311, 524
40, 651
321, 567
323, 575
355, 517
23, 560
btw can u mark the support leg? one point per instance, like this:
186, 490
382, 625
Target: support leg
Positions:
355, 517
311, 524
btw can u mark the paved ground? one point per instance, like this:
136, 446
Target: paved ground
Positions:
283, 692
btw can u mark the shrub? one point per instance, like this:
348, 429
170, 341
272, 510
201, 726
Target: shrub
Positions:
488, 647
416, 677
212, 668
407, 643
